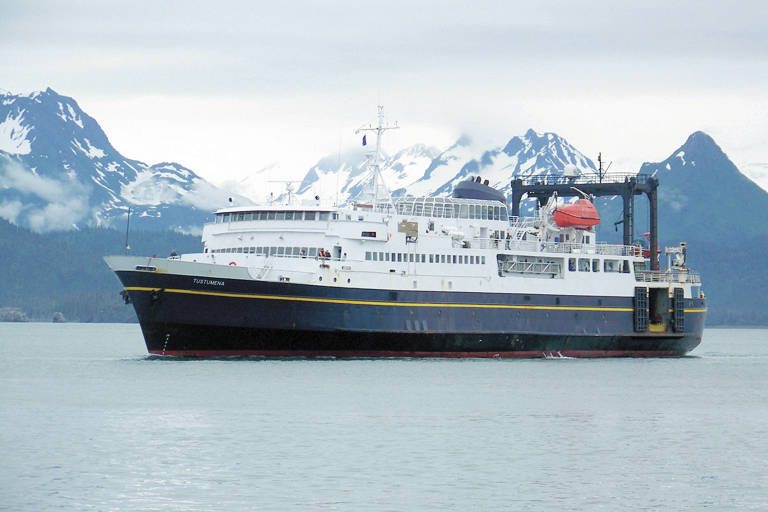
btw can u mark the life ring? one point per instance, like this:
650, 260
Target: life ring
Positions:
232, 264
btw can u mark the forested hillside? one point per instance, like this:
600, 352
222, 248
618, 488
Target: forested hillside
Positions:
64, 271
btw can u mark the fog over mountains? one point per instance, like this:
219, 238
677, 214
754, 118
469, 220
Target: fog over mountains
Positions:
58, 171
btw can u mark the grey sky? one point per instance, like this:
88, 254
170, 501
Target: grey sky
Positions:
490, 68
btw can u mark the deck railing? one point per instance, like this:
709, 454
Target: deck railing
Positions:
613, 177
667, 276
552, 247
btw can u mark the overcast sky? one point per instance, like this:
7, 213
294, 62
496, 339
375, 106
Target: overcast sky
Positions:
228, 88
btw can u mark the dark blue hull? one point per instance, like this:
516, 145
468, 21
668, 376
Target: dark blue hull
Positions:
200, 317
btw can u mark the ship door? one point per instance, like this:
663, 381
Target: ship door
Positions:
658, 309
337, 252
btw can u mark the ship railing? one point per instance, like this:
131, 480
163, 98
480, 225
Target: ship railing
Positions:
667, 276
522, 222
587, 178
530, 267
570, 248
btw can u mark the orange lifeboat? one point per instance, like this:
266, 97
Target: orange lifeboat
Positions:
581, 215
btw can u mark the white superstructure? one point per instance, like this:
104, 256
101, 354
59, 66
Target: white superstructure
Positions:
426, 243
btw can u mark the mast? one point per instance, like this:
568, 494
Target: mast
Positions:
373, 160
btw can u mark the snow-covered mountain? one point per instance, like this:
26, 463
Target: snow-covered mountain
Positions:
420, 170
58, 171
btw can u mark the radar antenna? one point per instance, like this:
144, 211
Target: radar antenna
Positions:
288, 187
600, 171
374, 157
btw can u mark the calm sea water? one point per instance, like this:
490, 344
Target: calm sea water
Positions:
89, 422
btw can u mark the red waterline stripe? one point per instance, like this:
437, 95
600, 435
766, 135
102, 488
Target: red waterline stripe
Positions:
529, 354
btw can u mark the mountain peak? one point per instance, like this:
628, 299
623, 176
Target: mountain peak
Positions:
701, 142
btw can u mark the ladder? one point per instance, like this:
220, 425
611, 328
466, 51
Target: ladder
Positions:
641, 309
678, 310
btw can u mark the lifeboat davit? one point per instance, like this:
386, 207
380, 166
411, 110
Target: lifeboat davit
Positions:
581, 215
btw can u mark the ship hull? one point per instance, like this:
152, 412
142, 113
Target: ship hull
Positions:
195, 316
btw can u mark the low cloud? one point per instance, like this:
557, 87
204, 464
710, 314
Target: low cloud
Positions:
205, 196
9, 210
67, 201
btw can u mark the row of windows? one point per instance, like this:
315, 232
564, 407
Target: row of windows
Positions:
270, 251
454, 211
399, 257
270, 215
451, 210
587, 265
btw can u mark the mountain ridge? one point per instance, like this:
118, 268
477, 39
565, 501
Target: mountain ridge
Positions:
59, 171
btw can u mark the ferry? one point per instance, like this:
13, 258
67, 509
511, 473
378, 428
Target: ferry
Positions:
442, 277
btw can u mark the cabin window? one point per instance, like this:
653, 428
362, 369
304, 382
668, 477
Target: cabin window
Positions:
442, 258
471, 260
423, 258
625, 266
252, 250
595, 265
225, 217
281, 251
288, 215
381, 256
296, 251
399, 257
583, 265
454, 259
313, 251
586, 239
309, 215
610, 265
323, 216
392, 257
279, 215
572, 264
431, 258
368, 256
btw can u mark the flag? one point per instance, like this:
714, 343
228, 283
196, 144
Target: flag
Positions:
363, 140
